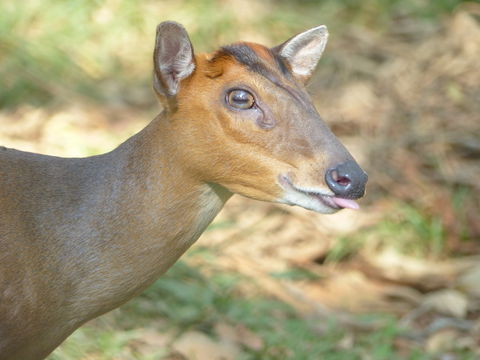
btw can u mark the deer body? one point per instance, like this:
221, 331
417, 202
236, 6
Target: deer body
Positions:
110, 227
79, 237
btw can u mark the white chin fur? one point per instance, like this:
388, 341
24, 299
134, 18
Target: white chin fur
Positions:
292, 197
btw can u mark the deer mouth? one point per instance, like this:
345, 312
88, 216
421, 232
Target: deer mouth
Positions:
313, 199
335, 202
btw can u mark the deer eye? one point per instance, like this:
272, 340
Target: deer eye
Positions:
240, 99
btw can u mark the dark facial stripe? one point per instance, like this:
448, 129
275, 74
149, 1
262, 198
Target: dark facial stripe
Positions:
247, 56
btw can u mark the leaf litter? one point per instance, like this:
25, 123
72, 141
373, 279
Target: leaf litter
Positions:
413, 119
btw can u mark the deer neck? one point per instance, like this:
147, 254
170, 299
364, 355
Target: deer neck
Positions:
147, 210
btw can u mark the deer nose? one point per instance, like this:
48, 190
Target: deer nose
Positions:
347, 180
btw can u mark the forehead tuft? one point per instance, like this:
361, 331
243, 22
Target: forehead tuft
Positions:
255, 57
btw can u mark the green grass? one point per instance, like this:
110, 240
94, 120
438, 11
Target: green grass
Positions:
184, 299
54, 51
407, 229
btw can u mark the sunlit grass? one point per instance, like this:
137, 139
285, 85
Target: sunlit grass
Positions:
57, 51
184, 300
406, 229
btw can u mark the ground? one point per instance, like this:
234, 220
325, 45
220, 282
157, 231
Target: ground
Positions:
398, 279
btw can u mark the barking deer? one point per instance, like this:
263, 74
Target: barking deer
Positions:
81, 236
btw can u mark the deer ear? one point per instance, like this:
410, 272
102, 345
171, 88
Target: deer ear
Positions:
303, 51
173, 58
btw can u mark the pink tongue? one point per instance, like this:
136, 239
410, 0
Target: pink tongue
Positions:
346, 203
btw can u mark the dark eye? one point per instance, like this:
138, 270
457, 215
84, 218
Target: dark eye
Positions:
240, 99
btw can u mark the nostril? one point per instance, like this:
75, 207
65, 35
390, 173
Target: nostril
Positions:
340, 179
347, 180
344, 181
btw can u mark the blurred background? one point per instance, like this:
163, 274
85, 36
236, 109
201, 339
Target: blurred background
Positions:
398, 83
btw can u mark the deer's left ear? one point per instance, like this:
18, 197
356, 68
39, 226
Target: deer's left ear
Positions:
303, 51
173, 58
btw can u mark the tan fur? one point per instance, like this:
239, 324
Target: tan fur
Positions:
79, 237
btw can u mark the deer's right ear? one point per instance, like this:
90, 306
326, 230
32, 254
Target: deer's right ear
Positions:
173, 58
303, 51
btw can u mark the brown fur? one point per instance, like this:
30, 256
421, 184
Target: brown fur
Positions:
79, 237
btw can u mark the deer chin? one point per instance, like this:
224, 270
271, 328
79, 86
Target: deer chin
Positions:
318, 200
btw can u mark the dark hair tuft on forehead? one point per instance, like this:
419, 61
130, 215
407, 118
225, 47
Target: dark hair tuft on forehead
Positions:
247, 56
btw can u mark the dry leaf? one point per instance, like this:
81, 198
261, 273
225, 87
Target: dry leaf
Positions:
470, 281
195, 345
449, 302
443, 340
239, 334
420, 273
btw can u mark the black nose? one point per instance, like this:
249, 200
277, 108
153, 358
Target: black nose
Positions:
347, 180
